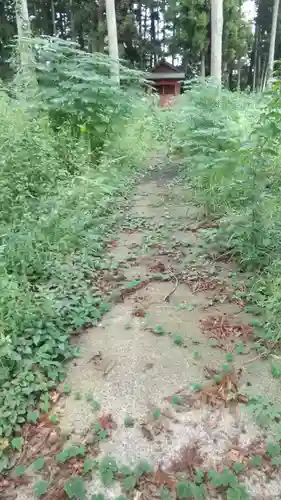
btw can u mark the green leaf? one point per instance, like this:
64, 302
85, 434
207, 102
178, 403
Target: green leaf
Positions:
238, 467
181, 306
239, 348
33, 416
40, 488
19, 471
66, 389
102, 435
76, 451
89, 397
4, 462
156, 413
133, 284
75, 488
108, 468
45, 407
95, 405
276, 461
129, 482
178, 340
125, 470
62, 456
143, 467
199, 477
184, 490
89, 465
273, 449
215, 478
165, 493
17, 443
237, 493
129, 421
176, 400
229, 356
276, 371
226, 367
54, 419
197, 387
159, 330
39, 463
99, 496
256, 461
107, 477
228, 478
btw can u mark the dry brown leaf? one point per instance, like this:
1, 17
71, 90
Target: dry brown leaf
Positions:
163, 478
146, 432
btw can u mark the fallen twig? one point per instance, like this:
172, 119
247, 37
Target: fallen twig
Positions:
109, 368
259, 356
167, 298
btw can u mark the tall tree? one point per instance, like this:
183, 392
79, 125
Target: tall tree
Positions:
23, 27
272, 39
112, 39
216, 39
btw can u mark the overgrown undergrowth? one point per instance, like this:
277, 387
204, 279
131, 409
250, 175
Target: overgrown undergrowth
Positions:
230, 148
59, 209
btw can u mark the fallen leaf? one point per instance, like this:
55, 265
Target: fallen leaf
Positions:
107, 422
163, 478
147, 433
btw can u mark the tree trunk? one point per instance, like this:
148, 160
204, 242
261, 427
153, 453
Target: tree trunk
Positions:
258, 77
256, 58
112, 39
216, 39
230, 78
152, 36
72, 21
81, 39
23, 27
53, 17
94, 31
263, 75
272, 39
239, 75
101, 26
203, 65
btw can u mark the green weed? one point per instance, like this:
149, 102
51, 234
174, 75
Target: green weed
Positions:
131, 476
129, 421
108, 469
159, 330
156, 413
178, 340
40, 488
101, 433
75, 488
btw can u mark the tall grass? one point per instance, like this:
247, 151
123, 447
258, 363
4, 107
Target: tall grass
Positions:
58, 211
231, 149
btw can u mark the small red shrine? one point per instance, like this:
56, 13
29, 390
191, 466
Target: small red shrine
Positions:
166, 79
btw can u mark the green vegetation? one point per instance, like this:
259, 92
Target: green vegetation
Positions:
229, 147
59, 194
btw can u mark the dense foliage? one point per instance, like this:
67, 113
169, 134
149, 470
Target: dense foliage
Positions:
230, 145
147, 31
57, 215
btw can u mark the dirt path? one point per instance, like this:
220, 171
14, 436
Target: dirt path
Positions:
165, 375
